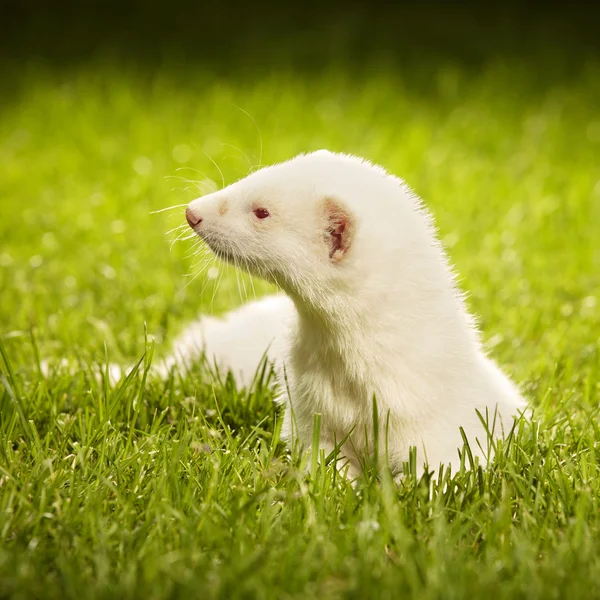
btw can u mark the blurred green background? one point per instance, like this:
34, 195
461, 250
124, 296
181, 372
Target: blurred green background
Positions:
111, 111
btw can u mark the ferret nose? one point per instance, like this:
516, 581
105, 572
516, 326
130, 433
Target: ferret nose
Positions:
192, 218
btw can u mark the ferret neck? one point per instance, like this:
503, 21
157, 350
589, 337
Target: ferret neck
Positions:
337, 315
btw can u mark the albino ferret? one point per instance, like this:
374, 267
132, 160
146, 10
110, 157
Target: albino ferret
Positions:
371, 310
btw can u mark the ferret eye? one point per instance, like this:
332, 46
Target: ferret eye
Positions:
261, 213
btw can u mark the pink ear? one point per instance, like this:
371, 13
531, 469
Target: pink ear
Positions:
340, 229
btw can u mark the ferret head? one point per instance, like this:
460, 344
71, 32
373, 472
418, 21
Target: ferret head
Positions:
312, 224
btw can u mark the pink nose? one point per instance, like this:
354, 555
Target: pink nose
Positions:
192, 218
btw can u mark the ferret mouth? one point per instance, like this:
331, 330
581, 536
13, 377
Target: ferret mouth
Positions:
231, 253
219, 248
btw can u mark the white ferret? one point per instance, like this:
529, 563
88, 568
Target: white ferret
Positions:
371, 310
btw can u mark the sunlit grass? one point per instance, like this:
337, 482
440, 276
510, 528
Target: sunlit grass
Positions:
158, 489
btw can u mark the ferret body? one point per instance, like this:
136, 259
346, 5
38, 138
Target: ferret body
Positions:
372, 311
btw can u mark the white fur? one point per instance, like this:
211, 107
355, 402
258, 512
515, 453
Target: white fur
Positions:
385, 320
238, 342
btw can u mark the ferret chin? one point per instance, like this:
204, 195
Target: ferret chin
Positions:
371, 310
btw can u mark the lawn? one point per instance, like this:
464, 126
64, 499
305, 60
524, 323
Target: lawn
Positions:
180, 488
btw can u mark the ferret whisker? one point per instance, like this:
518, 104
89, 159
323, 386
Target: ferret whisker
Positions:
180, 178
199, 184
241, 152
203, 247
201, 260
194, 271
237, 279
206, 264
201, 254
198, 250
188, 237
255, 269
191, 169
190, 282
161, 210
182, 226
259, 135
195, 186
269, 273
242, 279
193, 254
226, 157
237, 282
181, 238
214, 163
198, 272
195, 276
209, 264
240, 275
178, 237
218, 283
253, 288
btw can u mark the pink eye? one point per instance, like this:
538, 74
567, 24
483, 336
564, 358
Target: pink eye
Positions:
261, 213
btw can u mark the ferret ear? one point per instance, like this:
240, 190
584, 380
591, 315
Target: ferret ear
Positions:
339, 231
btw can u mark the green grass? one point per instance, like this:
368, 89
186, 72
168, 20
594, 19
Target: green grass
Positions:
159, 489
